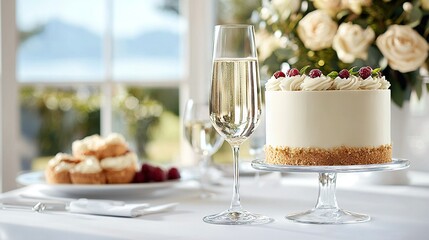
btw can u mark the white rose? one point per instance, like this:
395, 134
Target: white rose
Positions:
332, 7
352, 41
404, 49
317, 30
425, 4
266, 43
285, 8
356, 5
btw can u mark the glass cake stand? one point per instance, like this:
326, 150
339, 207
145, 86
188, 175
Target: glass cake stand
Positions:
326, 210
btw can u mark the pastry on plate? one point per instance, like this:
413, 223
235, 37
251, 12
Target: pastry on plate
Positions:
113, 145
88, 171
117, 160
58, 168
87, 146
120, 169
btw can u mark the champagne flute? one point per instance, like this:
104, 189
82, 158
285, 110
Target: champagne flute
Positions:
203, 138
235, 106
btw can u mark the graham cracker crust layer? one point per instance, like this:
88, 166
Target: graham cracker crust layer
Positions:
328, 157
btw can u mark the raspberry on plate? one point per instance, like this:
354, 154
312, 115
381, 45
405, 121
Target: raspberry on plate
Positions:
173, 173
139, 177
157, 175
146, 169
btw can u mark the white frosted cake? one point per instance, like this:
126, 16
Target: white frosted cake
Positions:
339, 119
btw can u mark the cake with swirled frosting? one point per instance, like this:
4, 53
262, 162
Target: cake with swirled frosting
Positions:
338, 119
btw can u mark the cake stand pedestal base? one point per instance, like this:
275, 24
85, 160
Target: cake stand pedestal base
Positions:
326, 210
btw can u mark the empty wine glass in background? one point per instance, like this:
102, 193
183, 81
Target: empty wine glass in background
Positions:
235, 106
256, 145
203, 138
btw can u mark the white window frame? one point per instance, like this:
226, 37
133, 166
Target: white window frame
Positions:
200, 18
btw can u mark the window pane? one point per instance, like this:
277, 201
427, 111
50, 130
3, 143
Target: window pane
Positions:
149, 118
51, 118
147, 40
60, 39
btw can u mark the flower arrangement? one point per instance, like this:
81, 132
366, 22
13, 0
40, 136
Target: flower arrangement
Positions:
340, 34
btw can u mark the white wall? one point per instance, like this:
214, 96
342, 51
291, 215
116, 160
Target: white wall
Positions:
9, 120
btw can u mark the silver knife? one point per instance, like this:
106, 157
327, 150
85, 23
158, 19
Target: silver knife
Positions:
32, 206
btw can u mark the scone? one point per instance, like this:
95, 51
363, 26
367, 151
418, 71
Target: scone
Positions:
58, 168
88, 171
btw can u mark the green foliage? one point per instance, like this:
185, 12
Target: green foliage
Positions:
66, 114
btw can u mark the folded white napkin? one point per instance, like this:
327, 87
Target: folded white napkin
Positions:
106, 208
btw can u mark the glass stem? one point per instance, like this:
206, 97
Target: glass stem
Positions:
327, 186
235, 201
204, 178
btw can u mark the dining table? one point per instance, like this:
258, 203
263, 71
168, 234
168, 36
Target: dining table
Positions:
397, 211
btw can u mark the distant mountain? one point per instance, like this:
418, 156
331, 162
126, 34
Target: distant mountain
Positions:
59, 40
154, 43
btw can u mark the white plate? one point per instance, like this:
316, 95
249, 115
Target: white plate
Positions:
97, 190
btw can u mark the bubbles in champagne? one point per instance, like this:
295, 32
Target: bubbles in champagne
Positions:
235, 104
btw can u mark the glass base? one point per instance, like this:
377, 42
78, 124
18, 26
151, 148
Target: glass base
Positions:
328, 216
240, 217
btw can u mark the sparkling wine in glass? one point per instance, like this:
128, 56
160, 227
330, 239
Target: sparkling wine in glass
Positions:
202, 137
235, 106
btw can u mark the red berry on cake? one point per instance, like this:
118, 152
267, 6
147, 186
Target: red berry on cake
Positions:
344, 73
314, 73
173, 173
279, 74
365, 72
293, 72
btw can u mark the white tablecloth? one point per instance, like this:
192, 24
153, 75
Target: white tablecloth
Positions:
398, 212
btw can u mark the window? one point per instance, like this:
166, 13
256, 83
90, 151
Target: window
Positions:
98, 66
147, 40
